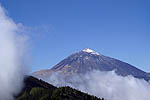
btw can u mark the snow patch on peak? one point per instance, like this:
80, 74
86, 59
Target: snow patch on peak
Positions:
90, 51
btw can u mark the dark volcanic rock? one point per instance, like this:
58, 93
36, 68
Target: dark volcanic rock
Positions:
89, 60
148, 75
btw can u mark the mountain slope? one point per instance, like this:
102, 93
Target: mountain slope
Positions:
39, 90
88, 60
148, 74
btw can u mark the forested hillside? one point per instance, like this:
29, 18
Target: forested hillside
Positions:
39, 90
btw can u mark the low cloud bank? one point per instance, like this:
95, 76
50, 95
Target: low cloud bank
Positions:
12, 57
106, 84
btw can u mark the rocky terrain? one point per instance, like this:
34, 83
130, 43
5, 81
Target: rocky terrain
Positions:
88, 60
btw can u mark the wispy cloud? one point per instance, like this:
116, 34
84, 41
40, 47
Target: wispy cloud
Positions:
37, 31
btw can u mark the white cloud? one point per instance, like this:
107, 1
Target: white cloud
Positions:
12, 58
106, 84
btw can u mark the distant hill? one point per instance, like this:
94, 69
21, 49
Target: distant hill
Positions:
88, 60
36, 89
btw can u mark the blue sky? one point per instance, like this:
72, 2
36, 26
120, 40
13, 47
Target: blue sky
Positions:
58, 28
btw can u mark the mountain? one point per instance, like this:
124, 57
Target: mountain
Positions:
36, 89
148, 74
88, 60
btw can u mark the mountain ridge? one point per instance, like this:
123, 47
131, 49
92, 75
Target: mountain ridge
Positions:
87, 60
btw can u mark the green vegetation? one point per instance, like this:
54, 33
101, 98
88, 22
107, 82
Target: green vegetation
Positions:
63, 93
39, 90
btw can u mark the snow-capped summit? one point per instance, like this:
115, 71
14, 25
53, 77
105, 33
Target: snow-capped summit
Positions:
90, 51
